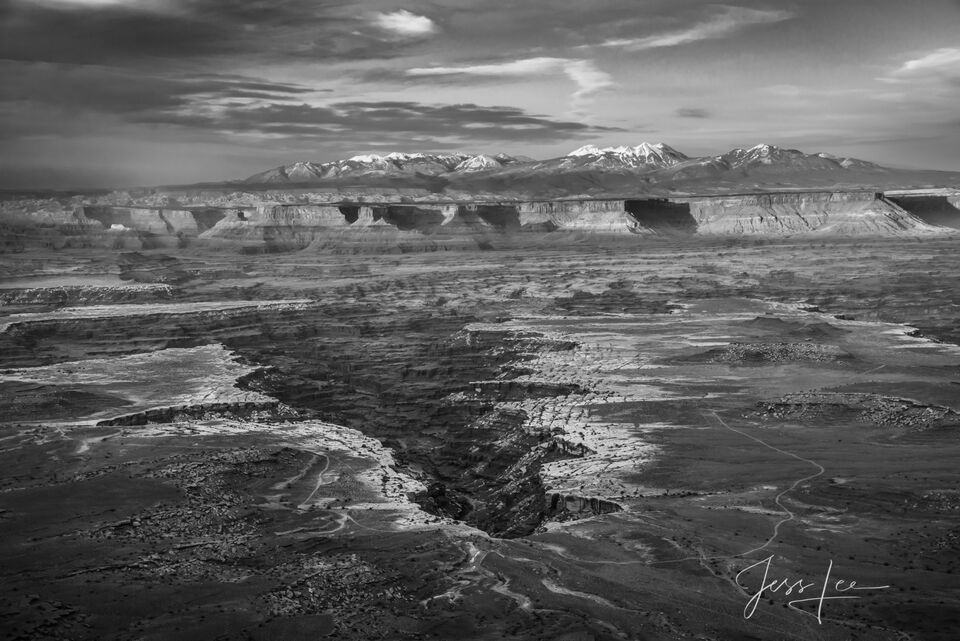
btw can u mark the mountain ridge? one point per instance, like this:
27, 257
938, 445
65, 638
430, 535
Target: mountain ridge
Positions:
394, 163
642, 157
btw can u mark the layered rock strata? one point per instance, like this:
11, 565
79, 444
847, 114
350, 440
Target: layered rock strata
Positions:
281, 226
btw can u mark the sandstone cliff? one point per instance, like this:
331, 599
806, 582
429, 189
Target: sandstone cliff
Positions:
278, 226
843, 213
940, 209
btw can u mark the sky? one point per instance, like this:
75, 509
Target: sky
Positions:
106, 93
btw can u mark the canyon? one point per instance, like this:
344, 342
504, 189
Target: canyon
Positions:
378, 404
589, 439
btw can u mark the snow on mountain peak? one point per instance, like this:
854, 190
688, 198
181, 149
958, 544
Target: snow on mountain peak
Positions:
404, 160
763, 154
367, 159
643, 158
643, 154
402, 156
586, 150
479, 163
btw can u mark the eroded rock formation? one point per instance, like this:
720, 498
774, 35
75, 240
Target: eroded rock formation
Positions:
275, 225
837, 213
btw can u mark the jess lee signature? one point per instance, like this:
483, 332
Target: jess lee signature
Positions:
830, 589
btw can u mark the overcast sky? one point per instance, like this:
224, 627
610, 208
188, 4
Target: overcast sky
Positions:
123, 92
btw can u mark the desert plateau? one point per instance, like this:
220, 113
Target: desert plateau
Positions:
579, 418
437, 320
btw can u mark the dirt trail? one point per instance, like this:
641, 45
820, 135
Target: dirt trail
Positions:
780, 495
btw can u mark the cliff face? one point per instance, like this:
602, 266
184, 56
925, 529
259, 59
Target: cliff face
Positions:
273, 227
292, 227
286, 227
828, 213
56, 225
47, 223
297, 226
605, 216
939, 210
143, 219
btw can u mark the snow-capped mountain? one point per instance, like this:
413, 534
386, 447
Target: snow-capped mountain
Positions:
589, 169
479, 163
643, 155
297, 172
417, 162
395, 163
772, 155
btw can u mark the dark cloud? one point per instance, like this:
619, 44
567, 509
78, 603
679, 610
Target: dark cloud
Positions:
377, 120
58, 98
110, 34
356, 45
235, 81
400, 76
123, 35
692, 112
82, 88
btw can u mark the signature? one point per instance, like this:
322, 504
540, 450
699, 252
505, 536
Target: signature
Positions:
830, 589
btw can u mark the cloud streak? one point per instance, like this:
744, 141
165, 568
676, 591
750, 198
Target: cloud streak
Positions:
126, 33
588, 78
944, 60
399, 122
104, 90
726, 22
926, 81
354, 124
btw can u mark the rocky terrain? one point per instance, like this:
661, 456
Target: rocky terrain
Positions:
430, 225
422, 396
594, 440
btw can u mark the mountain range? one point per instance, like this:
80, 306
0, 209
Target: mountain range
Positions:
652, 168
394, 164
645, 157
